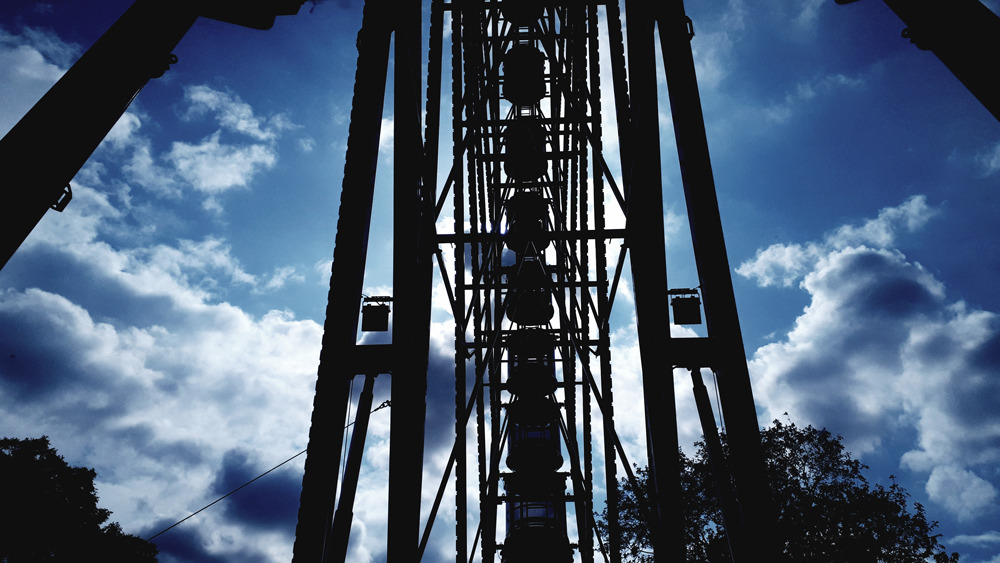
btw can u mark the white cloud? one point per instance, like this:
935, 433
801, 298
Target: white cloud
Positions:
879, 350
144, 171
123, 133
712, 54
984, 539
736, 15
961, 491
280, 278
233, 114
51, 46
785, 264
154, 409
189, 271
386, 135
778, 264
212, 167
30, 63
307, 144
911, 215
141, 370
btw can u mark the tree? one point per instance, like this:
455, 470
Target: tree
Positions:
827, 509
50, 510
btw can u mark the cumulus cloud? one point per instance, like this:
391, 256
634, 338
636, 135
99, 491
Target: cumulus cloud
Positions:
785, 264
881, 351
233, 114
159, 410
122, 346
137, 368
31, 61
212, 167
961, 491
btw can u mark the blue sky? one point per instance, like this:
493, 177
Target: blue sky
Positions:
165, 328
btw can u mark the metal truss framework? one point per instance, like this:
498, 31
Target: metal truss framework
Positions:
531, 286
530, 283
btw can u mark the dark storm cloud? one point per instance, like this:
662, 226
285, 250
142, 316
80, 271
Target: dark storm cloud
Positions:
181, 544
184, 453
896, 298
185, 544
47, 268
974, 394
440, 398
270, 502
31, 365
44, 341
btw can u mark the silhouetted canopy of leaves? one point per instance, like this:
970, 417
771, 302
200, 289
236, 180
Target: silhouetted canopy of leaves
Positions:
827, 510
49, 510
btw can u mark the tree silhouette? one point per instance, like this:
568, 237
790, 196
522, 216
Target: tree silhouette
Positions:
827, 510
50, 510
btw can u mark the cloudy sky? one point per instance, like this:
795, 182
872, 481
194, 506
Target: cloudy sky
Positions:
165, 328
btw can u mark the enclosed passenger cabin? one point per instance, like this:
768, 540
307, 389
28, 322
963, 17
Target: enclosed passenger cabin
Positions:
536, 521
531, 368
525, 158
524, 75
529, 302
527, 218
533, 444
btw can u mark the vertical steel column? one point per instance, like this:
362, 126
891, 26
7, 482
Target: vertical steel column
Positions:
721, 319
319, 484
616, 47
461, 347
648, 257
603, 305
413, 246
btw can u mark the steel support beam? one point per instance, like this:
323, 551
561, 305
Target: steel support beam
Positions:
721, 319
963, 34
644, 228
413, 253
720, 469
336, 550
50, 144
42, 153
319, 484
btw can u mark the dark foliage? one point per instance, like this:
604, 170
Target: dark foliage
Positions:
827, 510
50, 511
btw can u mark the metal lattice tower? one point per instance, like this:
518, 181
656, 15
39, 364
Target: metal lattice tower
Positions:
535, 295
534, 269
532, 280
